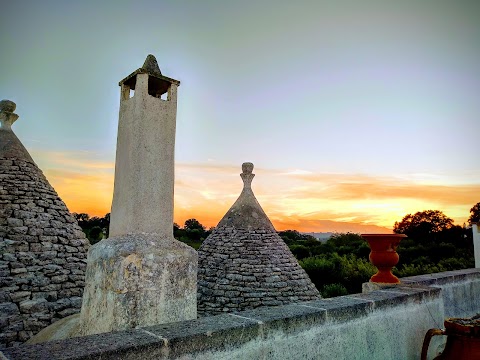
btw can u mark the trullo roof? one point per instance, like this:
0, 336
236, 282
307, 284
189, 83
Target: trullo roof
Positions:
42, 249
245, 264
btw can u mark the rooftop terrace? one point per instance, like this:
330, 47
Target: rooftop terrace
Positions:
383, 324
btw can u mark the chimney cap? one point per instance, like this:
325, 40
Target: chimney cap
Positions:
150, 67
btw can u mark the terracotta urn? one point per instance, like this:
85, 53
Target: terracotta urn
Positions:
383, 255
463, 339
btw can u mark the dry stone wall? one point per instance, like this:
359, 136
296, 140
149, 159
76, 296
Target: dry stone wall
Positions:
42, 254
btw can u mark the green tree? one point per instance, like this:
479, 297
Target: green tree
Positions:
290, 236
349, 243
300, 251
423, 225
193, 224
105, 224
81, 216
95, 234
474, 214
332, 290
82, 219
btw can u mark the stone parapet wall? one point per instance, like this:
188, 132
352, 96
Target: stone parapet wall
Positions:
383, 324
460, 290
42, 254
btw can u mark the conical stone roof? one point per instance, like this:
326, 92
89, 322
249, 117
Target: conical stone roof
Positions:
245, 264
42, 248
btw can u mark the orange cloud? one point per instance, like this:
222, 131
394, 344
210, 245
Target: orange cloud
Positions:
91, 194
295, 199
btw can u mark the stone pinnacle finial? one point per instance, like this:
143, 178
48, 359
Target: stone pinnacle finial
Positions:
151, 65
7, 117
7, 106
247, 175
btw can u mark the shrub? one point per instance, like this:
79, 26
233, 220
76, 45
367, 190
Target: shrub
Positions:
95, 234
355, 272
322, 270
332, 290
300, 251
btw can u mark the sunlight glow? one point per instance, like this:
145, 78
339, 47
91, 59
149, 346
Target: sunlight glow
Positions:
305, 201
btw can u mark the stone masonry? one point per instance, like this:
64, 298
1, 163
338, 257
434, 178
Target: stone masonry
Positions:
141, 275
42, 248
245, 264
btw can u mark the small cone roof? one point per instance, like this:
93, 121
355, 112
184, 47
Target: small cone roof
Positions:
150, 67
245, 264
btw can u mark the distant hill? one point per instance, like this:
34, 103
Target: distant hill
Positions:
321, 236
330, 226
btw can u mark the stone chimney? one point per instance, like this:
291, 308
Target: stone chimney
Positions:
144, 168
141, 275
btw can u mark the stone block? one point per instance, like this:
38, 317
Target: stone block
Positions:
9, 257
20, 296
288, 318
68, 312
18, 270
32, 306
109, 346
59, 279
7, 309
40, 280
13, 222
342, 308
138, 279
35, 325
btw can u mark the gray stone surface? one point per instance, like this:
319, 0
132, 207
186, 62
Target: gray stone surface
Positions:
244, 264
342, 308
217, 333
37, 233
138, 280
457, 287
290, 319
115, 345
62, 329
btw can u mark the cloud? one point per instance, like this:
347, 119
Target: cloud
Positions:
78, 161
330, 226
292, 198
82, 193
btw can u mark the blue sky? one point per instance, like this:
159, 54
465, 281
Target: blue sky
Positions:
322, 96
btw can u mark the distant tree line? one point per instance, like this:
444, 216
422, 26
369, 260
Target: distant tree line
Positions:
340, 265
96, 228
192, 233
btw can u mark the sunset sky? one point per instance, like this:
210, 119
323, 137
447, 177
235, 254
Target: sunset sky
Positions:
355, 113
